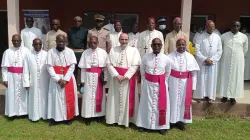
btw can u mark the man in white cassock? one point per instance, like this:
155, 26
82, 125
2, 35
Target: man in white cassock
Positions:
146, 37
134, 35
122, 101
16, 96
62, 95
247, 56
235, 46
114, 36
208, 53
30, 33
36, 81
93, 64
181, 83
154, 107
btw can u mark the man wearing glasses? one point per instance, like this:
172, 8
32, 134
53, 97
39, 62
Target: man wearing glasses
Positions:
77, 40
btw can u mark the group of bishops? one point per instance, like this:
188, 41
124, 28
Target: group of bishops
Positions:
41, 83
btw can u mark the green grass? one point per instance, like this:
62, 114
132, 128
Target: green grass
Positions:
200, 129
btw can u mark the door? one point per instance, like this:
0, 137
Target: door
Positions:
3, 33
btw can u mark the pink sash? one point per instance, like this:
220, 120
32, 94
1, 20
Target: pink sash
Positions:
99, 91
188, 100
15, 69
162, 99
132, 83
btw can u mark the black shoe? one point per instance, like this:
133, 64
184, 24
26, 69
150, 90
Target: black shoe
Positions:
52, 122
172, 125
206, 98
87, 122
99, 120
180, 125
68, 122
223, 100
232, 101
141, 130
12, 118
163, 132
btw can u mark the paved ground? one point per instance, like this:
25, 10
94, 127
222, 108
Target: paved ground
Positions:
246, 99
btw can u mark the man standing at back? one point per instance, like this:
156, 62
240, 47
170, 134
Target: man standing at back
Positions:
171, 38
114, 37
30, 33
146, 37
111, 25
77, 38
162, 22
100, 32
51, 35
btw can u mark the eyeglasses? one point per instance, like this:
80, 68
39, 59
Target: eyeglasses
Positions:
78, 21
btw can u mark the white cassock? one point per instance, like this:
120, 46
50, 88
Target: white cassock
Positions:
110, 27
36, 77
133, 39
92, 59
57, 101
16, 96
234, 46
118, 99
182, 62
247, 61
207, 46
145, 41
28, 35
148, 112
114, 38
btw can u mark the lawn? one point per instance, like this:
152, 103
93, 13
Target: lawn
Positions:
200, 129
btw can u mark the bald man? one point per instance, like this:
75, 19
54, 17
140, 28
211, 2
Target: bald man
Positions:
122, 101
16, 97
208, 53
93, 66
154, 108
171, 38
62, 95
51, 35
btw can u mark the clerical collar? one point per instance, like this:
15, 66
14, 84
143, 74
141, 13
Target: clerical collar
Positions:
177, 32
151, 31
178, 53
209, 33
234, 33
17, 48
37, 52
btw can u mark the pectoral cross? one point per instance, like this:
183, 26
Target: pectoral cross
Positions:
15, 62
61, 70
120, 63
145, 48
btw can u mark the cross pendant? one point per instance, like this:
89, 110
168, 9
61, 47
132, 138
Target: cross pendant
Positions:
61, 70
145, 48
15, 62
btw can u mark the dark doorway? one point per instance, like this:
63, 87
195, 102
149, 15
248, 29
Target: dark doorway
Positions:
3, 33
